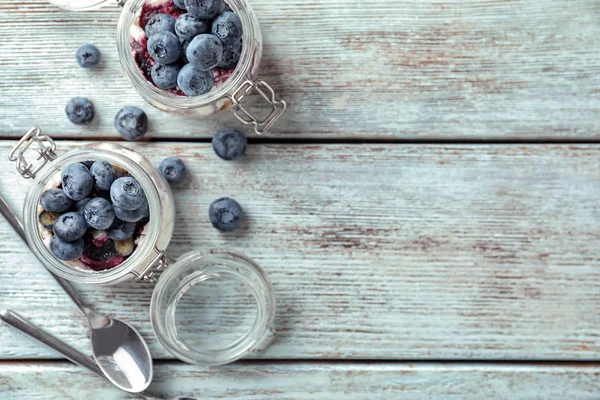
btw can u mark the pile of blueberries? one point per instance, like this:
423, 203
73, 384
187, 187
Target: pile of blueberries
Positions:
188, 48
94, 200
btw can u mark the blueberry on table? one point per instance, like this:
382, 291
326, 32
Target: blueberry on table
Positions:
225, 214
77, 181
66, 251
231, 55
172, 169
160, 23
88, 56
80, 111
188, 27
47, 219
70, 226
179, 4
99, 213
133, 215
205, 52
227, 27
164, 47
203, 9
131, 122
55, 200
229, 144
123, 231
103, 174
195, 82
127, 194
80, 205
165, 76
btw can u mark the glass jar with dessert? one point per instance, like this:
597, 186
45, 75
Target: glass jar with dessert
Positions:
101, 214
193, 57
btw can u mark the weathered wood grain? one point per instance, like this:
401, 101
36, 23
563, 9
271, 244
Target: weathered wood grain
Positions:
375, 251
405, 69
302, 381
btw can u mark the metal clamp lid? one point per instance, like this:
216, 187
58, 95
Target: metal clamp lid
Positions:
268, 94
46, 153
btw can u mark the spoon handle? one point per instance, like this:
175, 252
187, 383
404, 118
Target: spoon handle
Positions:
17, 225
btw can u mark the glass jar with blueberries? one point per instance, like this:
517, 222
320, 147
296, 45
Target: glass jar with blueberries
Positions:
101, 214
193, 57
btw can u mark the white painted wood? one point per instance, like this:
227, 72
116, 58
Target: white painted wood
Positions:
404, 69
375, 251
302, 381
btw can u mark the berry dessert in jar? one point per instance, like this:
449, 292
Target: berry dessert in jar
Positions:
196, 57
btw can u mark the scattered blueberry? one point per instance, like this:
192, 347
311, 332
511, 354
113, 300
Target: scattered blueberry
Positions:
179, 4
55, 200
160, 23
229, 144
231, 55
47, 219
127, 194
205, 52
133, 215
172, 169
77, 181
124, 231
203, 9
88, 56
80, 111
225, 214
99, 213
227, 27
165, 76
70, 226
193, 81
80, 205
103, 174
164, 47
66, 251
188, 27
131, 123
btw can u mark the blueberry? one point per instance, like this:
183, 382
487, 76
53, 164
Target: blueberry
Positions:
66, 251
179, 4
131, 123
160, 23
205, 52
226, 7
194, 82
124, 231
80, 205
172, 169
165, 76
203, 9
133, 215
225, 214
229, 144
99, 213
55, 200
188, 27
80, 111
88, 56
227, 27
164, 47
70, 226
47, 219
103, 174
231, 55
127, 194
77, 181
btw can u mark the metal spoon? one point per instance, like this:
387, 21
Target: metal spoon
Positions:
73, 355
119, 350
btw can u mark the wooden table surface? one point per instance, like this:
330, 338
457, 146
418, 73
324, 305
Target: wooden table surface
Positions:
427, 209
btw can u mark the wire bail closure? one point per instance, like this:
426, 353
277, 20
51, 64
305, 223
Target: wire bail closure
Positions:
46, 153
268, 94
